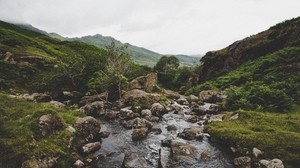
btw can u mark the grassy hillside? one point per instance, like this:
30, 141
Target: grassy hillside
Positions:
56, 64
20, 136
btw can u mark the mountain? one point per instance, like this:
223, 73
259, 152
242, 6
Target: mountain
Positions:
140, 55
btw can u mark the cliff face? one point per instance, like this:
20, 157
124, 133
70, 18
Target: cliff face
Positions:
216, 63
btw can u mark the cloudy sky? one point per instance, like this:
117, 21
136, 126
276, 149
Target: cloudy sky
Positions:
164, 26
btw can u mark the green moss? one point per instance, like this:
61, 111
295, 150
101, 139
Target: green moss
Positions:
20, 136
278, 135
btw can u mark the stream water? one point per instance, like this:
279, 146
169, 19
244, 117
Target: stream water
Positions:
119, 142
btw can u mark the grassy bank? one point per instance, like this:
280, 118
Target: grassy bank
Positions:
278, 135
20, 136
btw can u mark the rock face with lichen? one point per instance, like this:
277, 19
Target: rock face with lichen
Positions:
49, 124
147, 83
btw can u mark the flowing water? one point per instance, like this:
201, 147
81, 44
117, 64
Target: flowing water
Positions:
119, 142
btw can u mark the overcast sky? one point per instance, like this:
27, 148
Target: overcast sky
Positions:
164, 26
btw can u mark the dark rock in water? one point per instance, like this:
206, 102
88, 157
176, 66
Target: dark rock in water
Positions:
49, 124
111, 115
111, 160
93, 109
140, 133
193, 133
87, 127
166, 143
199, 110
156, 131
126, 113
157, 109
133, 160
137, 123
90, 147
104, 134
41, 97
205, 155
193, 119
242, 162
184, 152
171, 127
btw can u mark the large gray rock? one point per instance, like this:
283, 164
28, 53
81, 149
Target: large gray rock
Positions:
49, 124
147, 83
90, 99
87, 127
275, 163
211, 96
184, 152
137, 96
139, 133
91, 147
93, 109
256, 152
127, 113
158, 109
193, 133
182, 101
170, 94
133, 160
242, 162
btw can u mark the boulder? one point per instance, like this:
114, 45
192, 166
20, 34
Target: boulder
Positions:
170, 94
137, 96
104, 134
57, 104
46, 162
171, 127
234, 117
133, 160
91, 147
214, 118
78, 164
141, 123
193, 119
146, 112
192, 98
176, 107
256, 152
182, 101
90, 99
211, 96
126, 113
184, 152
199, 110
158, 109
242, 162
156, 131
214, 109
193, 133
41, 97
93, 109
147, 83
139, 133
275, 163
111, 114
49, 124
205, 155
87, 127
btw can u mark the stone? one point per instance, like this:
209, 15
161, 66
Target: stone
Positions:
205, 155
41, 97
126, 113
146, 112
158, 109
137, 96
214, 118
192, 98
140, 133
234, 117
133, 160
104, 134
91, 147
170, 94
242, 162
256, 152
156, 131
193, 133
200, 110
78, 164
147, 83
163, 161
184, 152
57, 104
214, 109
177, 107
211, 96
33, 163
182, 101
171, 127
90, 99
49, 124
93, 109
87, 127
111, 115
275, 163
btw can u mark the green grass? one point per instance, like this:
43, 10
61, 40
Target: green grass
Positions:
20, 135
278, 135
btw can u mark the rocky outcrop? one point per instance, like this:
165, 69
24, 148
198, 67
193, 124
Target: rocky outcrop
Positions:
158, 109
136, 96
147, 83
49, 124
170, 94
93, 109
216, 63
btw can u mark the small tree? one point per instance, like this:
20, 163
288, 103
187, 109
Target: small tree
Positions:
113, 77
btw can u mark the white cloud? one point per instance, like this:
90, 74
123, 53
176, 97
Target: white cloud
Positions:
165, 26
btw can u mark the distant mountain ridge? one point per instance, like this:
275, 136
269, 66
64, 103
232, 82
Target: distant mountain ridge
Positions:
140, 55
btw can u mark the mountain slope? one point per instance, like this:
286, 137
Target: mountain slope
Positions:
216, 63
